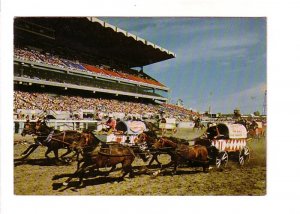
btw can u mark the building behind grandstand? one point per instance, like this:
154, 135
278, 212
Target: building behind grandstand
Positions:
82, 68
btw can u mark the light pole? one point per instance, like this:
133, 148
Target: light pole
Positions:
209, 101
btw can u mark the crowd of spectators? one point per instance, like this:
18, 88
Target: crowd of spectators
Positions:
49, 59
47, 102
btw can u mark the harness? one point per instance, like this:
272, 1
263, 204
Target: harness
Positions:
51, 137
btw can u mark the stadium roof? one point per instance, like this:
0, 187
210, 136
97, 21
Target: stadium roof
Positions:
96, 37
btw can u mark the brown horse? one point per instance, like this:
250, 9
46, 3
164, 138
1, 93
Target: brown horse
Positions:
184, 153
257, 132
52, 139
150, 138
95, 157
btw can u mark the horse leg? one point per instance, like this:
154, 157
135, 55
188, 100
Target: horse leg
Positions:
79, 172
174, 161
25, 152
55, 151
175, 166
78, 161
127, 168
47, 152
163, 167
157, 161
68, 159
112, 169
28, 151
66, 153
155, 158
205, 166
152, 159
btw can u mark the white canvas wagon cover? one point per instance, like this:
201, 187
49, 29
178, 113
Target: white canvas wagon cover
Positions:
167, 123
232, 131
131, 127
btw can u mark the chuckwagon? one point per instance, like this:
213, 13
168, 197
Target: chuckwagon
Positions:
230, 140
126, 132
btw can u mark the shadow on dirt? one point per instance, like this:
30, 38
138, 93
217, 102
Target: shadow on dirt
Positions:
98, 177
40, 162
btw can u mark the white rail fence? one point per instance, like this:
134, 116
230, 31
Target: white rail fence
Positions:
63, 125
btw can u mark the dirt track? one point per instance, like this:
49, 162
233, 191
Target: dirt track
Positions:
35, 176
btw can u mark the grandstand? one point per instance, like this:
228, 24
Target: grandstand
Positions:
86, 54
74, 63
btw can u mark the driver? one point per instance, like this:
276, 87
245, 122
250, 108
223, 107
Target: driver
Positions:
111, 123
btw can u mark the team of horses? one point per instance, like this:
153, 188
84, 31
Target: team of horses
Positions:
92, 154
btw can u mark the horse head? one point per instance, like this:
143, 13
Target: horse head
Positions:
88, 141
28, 128
141, 138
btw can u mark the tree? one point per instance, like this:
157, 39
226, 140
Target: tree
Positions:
256, 113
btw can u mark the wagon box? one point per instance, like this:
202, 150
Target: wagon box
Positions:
117, 138
131, 127
126, 131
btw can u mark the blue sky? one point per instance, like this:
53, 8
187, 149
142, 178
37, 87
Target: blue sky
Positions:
219, 61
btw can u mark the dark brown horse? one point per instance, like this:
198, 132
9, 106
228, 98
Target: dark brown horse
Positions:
213, 152
184, 153
95, 157
52, 139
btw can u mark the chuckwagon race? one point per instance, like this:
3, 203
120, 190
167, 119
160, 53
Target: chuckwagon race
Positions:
90, 119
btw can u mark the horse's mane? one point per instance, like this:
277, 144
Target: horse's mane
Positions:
151, 134
151, 126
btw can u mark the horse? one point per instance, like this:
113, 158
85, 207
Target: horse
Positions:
184, 153
153, 127
97, 156
150, 138
212, 150
29, 129
257, 130
198, 125
52, 139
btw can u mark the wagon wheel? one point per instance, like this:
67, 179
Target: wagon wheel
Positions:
222, 160
244, 156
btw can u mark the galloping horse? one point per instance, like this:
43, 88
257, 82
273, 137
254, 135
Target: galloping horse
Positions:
198, 125
96, 156
51, 138
150, 138
184, 153
256, 130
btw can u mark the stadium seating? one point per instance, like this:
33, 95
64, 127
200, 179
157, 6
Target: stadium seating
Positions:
24, 101
46, 58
